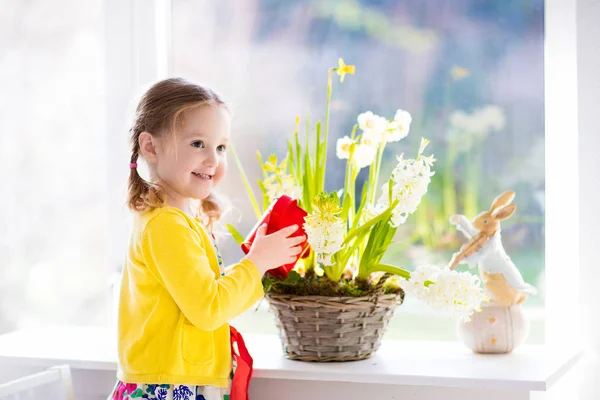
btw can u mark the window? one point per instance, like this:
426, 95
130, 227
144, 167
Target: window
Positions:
62, 233
53, 157
471, 74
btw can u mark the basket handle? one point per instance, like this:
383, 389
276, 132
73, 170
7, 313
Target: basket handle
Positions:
378, 289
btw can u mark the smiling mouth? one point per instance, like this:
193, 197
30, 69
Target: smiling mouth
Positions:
202, 176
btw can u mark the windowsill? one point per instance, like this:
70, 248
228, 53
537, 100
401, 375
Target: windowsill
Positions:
435, 364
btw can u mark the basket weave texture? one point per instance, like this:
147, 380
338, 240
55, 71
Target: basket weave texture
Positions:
323, 329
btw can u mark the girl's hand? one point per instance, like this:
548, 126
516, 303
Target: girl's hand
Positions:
274, 250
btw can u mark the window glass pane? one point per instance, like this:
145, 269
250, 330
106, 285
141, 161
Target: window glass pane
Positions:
471, 73
53, 213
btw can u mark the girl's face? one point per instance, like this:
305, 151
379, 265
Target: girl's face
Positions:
191, 164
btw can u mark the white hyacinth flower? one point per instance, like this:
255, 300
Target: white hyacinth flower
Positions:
452, 292
410, 180
343, 147
325, 229
369, 212
399, 127
325, 236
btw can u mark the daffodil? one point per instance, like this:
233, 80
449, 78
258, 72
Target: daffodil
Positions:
399, 127
364, 155
343, 147
372, 125
344, 69
276, 185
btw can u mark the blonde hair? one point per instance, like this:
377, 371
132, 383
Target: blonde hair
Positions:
159, 112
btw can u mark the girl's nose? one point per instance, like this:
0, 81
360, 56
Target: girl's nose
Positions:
211, 159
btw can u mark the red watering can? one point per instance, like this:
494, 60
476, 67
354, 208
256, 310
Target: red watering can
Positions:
282, 213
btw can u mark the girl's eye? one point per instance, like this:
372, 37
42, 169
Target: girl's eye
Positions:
222, 148
198, 143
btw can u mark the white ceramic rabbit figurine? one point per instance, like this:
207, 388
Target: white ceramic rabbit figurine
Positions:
500, 276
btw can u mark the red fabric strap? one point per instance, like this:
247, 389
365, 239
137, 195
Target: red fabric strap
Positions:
243, 372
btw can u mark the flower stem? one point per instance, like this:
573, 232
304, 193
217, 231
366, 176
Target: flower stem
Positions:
246, 183
375, 172
326, 133
449, 186
350, 182
474, 164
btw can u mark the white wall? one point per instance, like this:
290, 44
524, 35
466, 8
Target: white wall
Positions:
588, 15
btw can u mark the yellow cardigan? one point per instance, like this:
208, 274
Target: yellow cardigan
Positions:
174, 304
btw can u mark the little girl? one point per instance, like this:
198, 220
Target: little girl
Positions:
176, 299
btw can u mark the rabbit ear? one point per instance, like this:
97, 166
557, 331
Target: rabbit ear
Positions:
504, 212
503, 199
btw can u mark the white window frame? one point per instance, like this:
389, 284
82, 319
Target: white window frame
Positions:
137, 53
137, 45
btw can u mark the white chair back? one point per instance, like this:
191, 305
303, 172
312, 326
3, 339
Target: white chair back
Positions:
55, 380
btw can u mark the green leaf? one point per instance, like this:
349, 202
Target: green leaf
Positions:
292, 162
318, 177
383, 238
262, 164
378, 237
267, 285
392, 269
261, 185
236, 235
363, 202
321, 165
366, 258
265, 197
349, 251
346, 205
309, 178
360, 230
292, 278
298, 155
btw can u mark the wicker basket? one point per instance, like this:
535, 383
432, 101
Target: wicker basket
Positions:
320, 328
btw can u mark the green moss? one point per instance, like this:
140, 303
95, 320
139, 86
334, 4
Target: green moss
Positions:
314, 285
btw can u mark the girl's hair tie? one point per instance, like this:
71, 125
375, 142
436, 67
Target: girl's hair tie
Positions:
133, 165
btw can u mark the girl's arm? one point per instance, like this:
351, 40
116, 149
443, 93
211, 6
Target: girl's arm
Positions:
175, 255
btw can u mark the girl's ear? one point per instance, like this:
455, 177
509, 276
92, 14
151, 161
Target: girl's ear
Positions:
148, 147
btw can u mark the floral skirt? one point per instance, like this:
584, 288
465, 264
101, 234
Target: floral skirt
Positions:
131, 391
